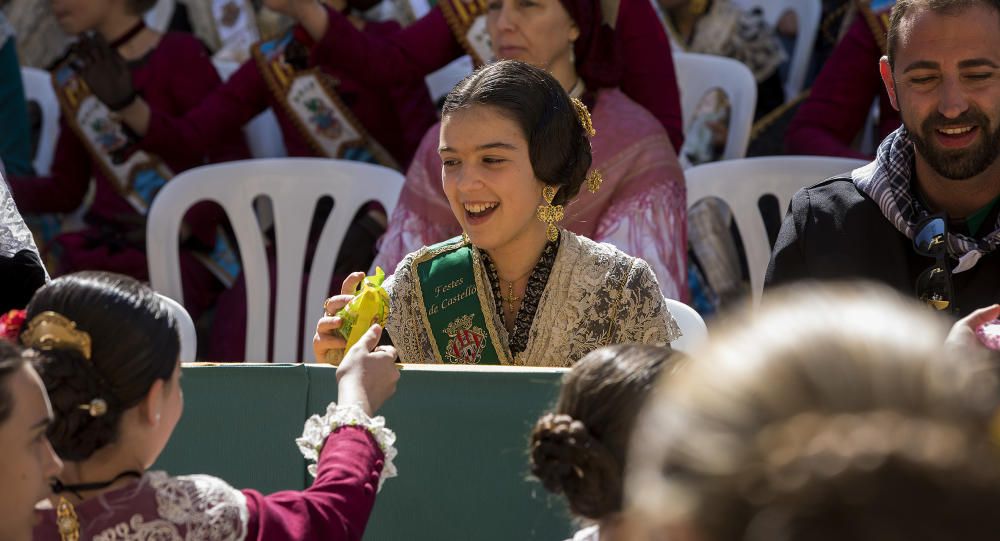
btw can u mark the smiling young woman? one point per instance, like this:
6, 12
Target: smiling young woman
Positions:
642, 211
514, 288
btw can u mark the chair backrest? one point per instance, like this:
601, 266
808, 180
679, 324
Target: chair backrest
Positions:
443, 80
807, 14
742, 183
185, 327
419, 8
158, 17
693, 328
38, 88
262, 132
294, 186
697, 74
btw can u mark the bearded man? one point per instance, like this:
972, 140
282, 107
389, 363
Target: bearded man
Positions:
923, 217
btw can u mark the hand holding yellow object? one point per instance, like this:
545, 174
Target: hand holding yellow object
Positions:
369, 305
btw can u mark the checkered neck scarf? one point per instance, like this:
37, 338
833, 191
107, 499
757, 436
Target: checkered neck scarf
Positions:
887, 180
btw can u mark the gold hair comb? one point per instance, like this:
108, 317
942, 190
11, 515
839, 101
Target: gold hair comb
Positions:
584, 114
594, 178
50, 330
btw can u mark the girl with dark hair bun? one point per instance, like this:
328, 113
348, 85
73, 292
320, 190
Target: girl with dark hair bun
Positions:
515, 288
108, 353
579, 448
642, 206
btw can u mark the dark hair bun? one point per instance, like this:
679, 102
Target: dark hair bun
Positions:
72, 381
134, 343
568, 460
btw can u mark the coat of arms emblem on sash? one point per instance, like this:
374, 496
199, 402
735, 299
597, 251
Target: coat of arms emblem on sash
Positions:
465, 343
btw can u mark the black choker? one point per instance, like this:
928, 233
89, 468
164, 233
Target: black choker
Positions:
132, 32
58, 487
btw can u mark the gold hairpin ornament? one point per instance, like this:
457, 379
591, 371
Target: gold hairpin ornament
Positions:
96, 407
584, 115
50, 330
594, 180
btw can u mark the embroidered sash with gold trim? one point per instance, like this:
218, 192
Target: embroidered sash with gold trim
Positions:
877, 12
467, 19
234, 23
455, 310
141, 175
309, 98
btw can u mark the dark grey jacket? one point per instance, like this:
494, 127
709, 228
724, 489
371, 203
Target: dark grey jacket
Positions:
835, 232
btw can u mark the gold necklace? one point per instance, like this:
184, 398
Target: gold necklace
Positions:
510, 299
69, 525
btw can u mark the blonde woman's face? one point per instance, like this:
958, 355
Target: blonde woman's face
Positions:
538, 32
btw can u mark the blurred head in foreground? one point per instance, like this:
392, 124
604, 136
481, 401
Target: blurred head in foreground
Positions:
833, 413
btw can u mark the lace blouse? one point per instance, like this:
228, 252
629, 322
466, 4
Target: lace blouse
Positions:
353, 459
595, 296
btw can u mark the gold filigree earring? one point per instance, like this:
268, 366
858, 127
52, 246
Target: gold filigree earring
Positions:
550, 214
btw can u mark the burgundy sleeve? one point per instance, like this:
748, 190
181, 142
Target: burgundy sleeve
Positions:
649, 77
215, 118
414, 52
213, 115
841, 97
65, 188
336, 507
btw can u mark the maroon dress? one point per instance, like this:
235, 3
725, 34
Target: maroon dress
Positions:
429, 44
157, 506
175, 76
396, 116
837, 108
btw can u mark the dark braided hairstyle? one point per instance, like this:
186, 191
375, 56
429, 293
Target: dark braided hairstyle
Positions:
558, 145
579, 449
134, 342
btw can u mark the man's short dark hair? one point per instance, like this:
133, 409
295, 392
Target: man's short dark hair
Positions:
948, 7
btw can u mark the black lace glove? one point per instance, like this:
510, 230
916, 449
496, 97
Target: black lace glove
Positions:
105, 72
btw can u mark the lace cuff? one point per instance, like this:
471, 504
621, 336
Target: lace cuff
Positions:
318, 429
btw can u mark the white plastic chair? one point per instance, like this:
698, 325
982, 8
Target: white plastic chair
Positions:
693, 329
697, 74
294, 185
807, 14
419, 8
443, 80
185, 328
38, 88
159, 16
262, 132
741, 184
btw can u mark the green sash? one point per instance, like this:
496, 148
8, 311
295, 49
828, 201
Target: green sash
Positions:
457, 314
